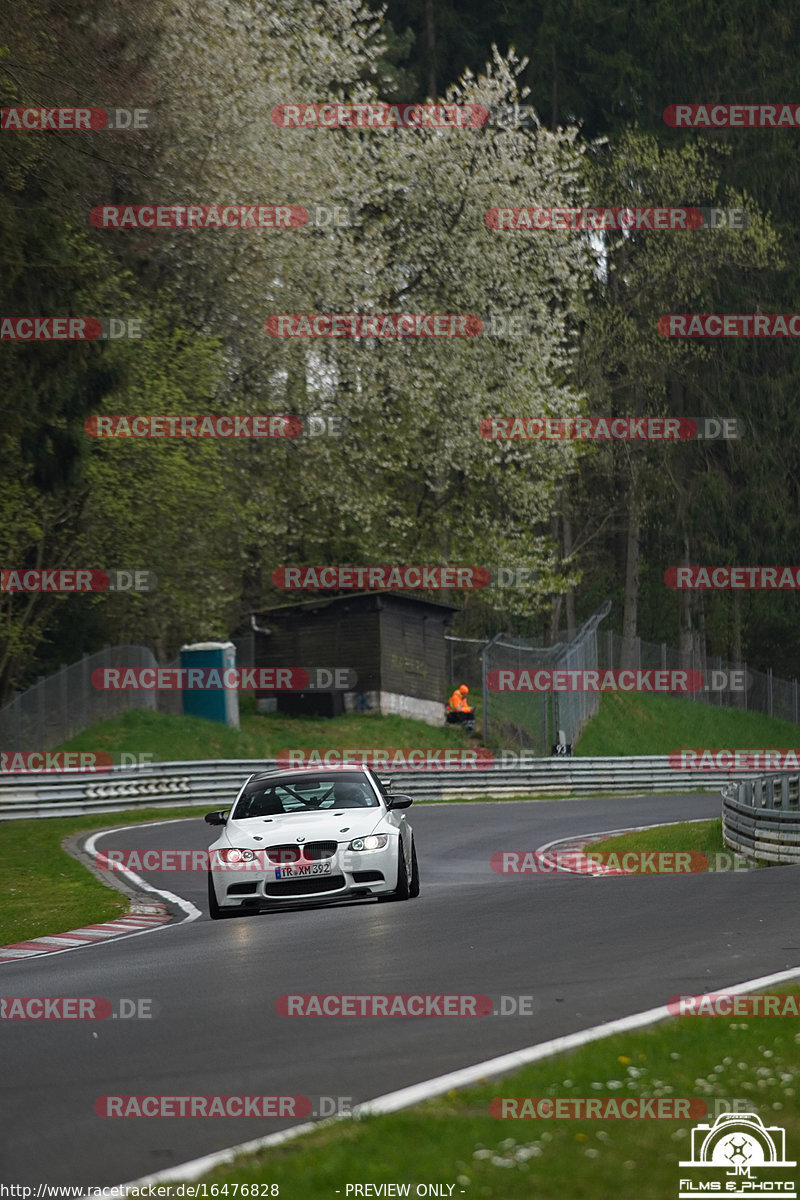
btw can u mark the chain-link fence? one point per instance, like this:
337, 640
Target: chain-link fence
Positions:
727, 684
62, 705
532, 721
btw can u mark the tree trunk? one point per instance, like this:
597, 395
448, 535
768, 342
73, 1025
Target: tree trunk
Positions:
631, 602
430, 47
685, 614
566, 517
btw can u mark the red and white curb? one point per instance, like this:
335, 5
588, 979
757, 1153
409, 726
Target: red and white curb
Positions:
568, 854
140, 918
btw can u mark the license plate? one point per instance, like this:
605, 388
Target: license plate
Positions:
317, 868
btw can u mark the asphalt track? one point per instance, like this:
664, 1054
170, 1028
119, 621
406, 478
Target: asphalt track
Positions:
587, 950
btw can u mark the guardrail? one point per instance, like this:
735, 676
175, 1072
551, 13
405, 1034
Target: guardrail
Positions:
761, 817
215, 783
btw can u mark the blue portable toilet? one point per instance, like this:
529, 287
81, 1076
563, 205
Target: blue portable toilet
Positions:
214, 704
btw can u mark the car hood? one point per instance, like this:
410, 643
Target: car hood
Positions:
336, 825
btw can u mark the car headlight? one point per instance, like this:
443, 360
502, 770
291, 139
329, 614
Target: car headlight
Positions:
235, 855
375, 841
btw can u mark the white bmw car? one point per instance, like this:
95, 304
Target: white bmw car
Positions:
307, 836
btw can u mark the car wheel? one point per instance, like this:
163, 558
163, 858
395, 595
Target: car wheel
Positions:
413, 890
214, 911
403, 889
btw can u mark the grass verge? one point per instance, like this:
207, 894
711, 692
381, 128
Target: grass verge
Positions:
49, 891
453, 1139
633, 723
170, 738
702, 836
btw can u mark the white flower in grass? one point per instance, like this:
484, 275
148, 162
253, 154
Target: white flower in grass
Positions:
526, 1152
679, 1134
727, 1061
629, 1165
788, 1091
602, 1136
674, 1054
464, 1180
502, 1162
567, 1083
613, 1084
507, 1143
635, 1072
545, 1137
768, 1054
482, 1153
590, 1153
776, 1104
742, 1066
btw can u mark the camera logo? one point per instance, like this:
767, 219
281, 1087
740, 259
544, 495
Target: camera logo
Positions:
730, 1150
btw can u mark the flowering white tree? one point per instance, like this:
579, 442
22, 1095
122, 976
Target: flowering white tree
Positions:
411, 477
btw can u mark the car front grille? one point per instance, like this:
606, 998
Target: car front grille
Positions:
282, 856
305, 885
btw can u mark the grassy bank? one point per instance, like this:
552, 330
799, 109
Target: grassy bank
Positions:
640, 724
457, 1141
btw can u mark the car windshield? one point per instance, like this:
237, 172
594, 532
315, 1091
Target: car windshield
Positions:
285, 796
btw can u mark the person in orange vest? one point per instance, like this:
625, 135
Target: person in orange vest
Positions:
458, 700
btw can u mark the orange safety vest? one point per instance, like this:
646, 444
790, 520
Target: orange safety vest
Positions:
457, 701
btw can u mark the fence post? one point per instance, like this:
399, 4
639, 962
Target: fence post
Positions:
485, 686
66, 729
40, 711
769, 688
85, 692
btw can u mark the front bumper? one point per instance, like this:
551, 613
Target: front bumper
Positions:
351, 873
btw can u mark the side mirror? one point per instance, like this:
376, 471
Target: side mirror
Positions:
399, 801
220, 817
